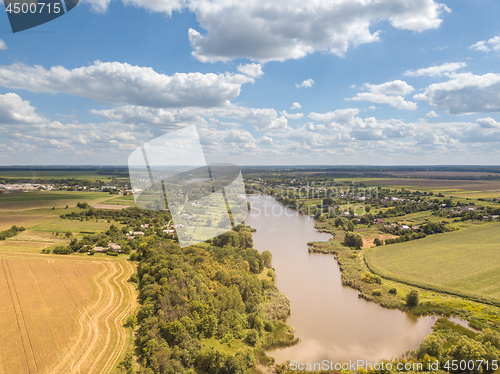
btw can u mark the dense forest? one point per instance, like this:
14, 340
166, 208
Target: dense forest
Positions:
208, 308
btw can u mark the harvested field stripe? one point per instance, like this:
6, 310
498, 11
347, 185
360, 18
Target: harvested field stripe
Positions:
17, 318
93, 333
61, 277
6, 269
83, 322
108, 327
118, 322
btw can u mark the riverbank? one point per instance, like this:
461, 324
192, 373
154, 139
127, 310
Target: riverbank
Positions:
330, 320
391, 294
451, 338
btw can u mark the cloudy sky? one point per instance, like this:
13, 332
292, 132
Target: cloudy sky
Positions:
338, 82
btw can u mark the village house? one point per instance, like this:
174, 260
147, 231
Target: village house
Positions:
115, 247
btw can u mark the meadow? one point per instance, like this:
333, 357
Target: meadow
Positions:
88, 175
47, 199
463, 263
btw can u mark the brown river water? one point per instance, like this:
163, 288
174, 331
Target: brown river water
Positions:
330, 320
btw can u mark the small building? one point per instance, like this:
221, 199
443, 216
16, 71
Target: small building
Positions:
115, 247
100, 249
378, 220
137, 233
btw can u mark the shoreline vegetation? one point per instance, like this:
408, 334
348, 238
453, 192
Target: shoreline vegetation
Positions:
448, 340
211, 308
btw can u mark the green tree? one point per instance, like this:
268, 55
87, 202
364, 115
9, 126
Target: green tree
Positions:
353, 240
131, 321
431, 345
267, 257
412, 299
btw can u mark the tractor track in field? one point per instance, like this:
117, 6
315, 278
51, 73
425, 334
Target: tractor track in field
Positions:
101, 324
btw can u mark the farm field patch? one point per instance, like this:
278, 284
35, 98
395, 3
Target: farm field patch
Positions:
46, 199
464, 262
8, 220
75, 226
63, 315
54, 174
438, 185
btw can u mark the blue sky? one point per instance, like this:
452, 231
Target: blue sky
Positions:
374, 82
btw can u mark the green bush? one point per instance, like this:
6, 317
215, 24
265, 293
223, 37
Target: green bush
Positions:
393, 291
62, 250
371, 278
377, 292
131, 321
269, 326
252, 338
412, 299
134, 278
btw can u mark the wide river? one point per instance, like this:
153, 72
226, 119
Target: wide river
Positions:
330, 320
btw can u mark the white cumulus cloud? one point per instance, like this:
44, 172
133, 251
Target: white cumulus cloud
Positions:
15, 110
341, 117
266, 140
437, 70
465, 93
307, 83
487, 123
296, 106
252, 70
487, 45
290, 29
3, 46
292, 116
264, 119
387, 93
117, 83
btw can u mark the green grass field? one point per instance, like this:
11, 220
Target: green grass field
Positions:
48, 199
56, 174
464, 262
52, 195
75, 226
